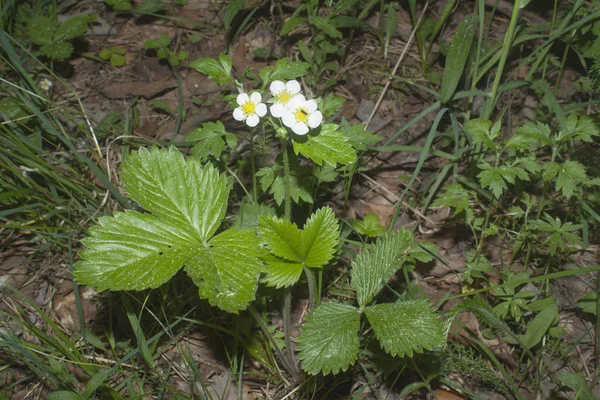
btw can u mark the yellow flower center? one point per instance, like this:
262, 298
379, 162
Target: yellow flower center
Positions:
284, 97
301, 114
248, 108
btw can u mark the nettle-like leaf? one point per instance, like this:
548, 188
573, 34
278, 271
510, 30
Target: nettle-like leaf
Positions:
495, 177
313, 246
372, 270
358, 137
214, 140
406, 327
134, 251
369, 226
329, 146
272, 179
329, 341
530, 134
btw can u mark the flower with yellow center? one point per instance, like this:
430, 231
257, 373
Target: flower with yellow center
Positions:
46, 84
250, 108
283, 93
301, 115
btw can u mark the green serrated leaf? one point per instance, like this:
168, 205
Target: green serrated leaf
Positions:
372, 269
480, 132
423, 251
329, 341
190, 197
213, 140
406, 327
117, 60
211, 68
71, 28
313, 246
458, 53
571, 174
41, 30
132, 251
250, 214
57, 50
329, 146
227, 270
535, 133
491, 177
283, 70
369, 226
280, 272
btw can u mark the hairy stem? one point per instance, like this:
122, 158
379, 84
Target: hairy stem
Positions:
253, 166
286, 180
310, 279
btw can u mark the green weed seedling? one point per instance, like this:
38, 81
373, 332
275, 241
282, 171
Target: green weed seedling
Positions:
187, 200
164, 52
54, 38
114, 55
120, 5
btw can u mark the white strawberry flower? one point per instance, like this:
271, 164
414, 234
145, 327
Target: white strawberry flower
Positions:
46, 84
301, 115
283, 93
250, 108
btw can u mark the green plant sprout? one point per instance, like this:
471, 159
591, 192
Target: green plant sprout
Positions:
164, 52
114, 55
54, 38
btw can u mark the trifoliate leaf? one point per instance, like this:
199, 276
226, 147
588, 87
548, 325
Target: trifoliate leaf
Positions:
133, 251
214, 140
313, 246
213, 69
57, 50
40, 30
372, 269
329, 146
369, 226
406, 327
283, 70
491, 177
358, 137
189, 196
330, 104
533, 133
71, 28
579, 128
280, 272
226, 271
571, 174
329, 341
454, 196
423, 251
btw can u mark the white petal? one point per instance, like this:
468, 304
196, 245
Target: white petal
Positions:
293, 87
288, 119
238, 114
252, 120
295, 102
261, 109
276, 87
255, 97
300, 128
277, 110
242, 99
311, 106
315, 119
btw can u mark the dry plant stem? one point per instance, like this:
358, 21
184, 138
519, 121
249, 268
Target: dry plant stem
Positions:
390, 79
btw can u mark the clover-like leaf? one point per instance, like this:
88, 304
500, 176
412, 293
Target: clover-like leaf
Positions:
329, 341
329, 146
372, 270
182, 192
226, 271
312, 246
406, 327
